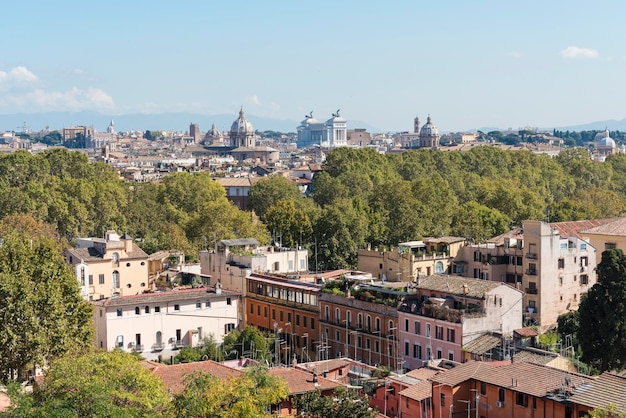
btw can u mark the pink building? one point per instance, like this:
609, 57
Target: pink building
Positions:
447, 312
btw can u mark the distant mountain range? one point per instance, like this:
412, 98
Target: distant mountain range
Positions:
141, 122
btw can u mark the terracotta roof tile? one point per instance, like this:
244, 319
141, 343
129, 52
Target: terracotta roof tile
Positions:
608, 388
419, 392
299, 381
173, 377
482, 344
575, 228
616, 227
526, 332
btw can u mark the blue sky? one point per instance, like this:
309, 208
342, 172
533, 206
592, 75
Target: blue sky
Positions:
469, 64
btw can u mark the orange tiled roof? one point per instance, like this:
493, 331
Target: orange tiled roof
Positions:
298, 381
419, 392
173, 377
615, 227
608, 388
574, 228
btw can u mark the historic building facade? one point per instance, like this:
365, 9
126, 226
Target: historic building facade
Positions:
330, 134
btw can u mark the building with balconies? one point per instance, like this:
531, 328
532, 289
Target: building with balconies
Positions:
411, 259
447, 312
157, 324
552, 263
287, 308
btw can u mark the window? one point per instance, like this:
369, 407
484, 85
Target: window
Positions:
439, 353
258, 310
583, 246
501, 393
584, 279
304, 320
297, 320
439, 267
337, 316
368, 343
116, 279
417, 327
119, 311
120, 341
377, 346
207, 303
369, 323
360, 319
281, 316
312, 323
451, 355
157, 309
428, 330
273, 313
359, 341
177, 307
483, 388
100, 278
438, 332
91, 280
337, 336
377, 324
610, 246
584, 261
521, 399
251, 309
147, 309
198, 304
406, 348
229, 301
288, 316
265, 311
406, 325
442, 399
417, 351
115, 257
229, 327
561, 263
137, 310
451, 334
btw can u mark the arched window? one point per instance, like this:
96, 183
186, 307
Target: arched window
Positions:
326, 313
116, 279
115, 258
349, 318
137, 310
159, 337
369, 323
439, 267
337, 316
147, 309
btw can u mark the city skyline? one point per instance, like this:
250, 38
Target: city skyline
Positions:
468, 65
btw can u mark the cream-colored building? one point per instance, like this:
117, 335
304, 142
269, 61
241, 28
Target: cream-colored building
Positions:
608, 236
157, 324
552, 263
411, 259
110, 266
234, 259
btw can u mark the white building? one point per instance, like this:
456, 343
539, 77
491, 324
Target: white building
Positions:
158, 324
331, 134
234, 259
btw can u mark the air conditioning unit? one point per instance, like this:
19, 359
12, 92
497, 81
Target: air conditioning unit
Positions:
500, 404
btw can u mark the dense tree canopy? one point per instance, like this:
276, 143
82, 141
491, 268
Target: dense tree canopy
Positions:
602, 315
345, 403
42, 315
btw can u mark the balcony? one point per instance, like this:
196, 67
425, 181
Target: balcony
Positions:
531, 272
158, 346
451, 315
138, 348
531, 290
179, 344
531, 256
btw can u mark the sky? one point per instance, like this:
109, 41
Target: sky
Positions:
469, 64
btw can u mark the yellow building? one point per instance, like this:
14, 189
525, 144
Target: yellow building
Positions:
113, 266
607, 236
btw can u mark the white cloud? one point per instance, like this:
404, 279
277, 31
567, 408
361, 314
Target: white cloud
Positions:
574, 52
514, 54
254, 100
21, 92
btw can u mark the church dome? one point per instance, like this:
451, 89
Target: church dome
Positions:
429, 129
603, 139
242, 125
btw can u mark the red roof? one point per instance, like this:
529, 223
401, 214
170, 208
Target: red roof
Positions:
299, 381
173, 377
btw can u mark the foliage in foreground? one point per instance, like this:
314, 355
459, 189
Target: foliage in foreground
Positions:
344, 403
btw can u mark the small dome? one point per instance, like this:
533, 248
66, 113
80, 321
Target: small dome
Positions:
242, 125
310, 121
603, 139
429, 129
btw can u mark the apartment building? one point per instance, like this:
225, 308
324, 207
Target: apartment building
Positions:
157, 324
361, 324
234, 259
110, 266
607, 236
287, 308
552, 263
411, 259
447, 312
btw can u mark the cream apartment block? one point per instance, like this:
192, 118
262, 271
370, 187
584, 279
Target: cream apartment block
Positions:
411, 259
607, 236
234, 259
552, 263
110, 266
157, 324
447, 312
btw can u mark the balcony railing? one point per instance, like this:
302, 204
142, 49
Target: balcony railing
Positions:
138, 348
532, 256
531, 272
180, 344
158, 346
531, 290
449, 314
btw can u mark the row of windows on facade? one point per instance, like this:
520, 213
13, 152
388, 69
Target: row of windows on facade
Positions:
157, 309
348, 320
279, 293
115, 279
305, 319
119, 342
450, 332
521, 399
